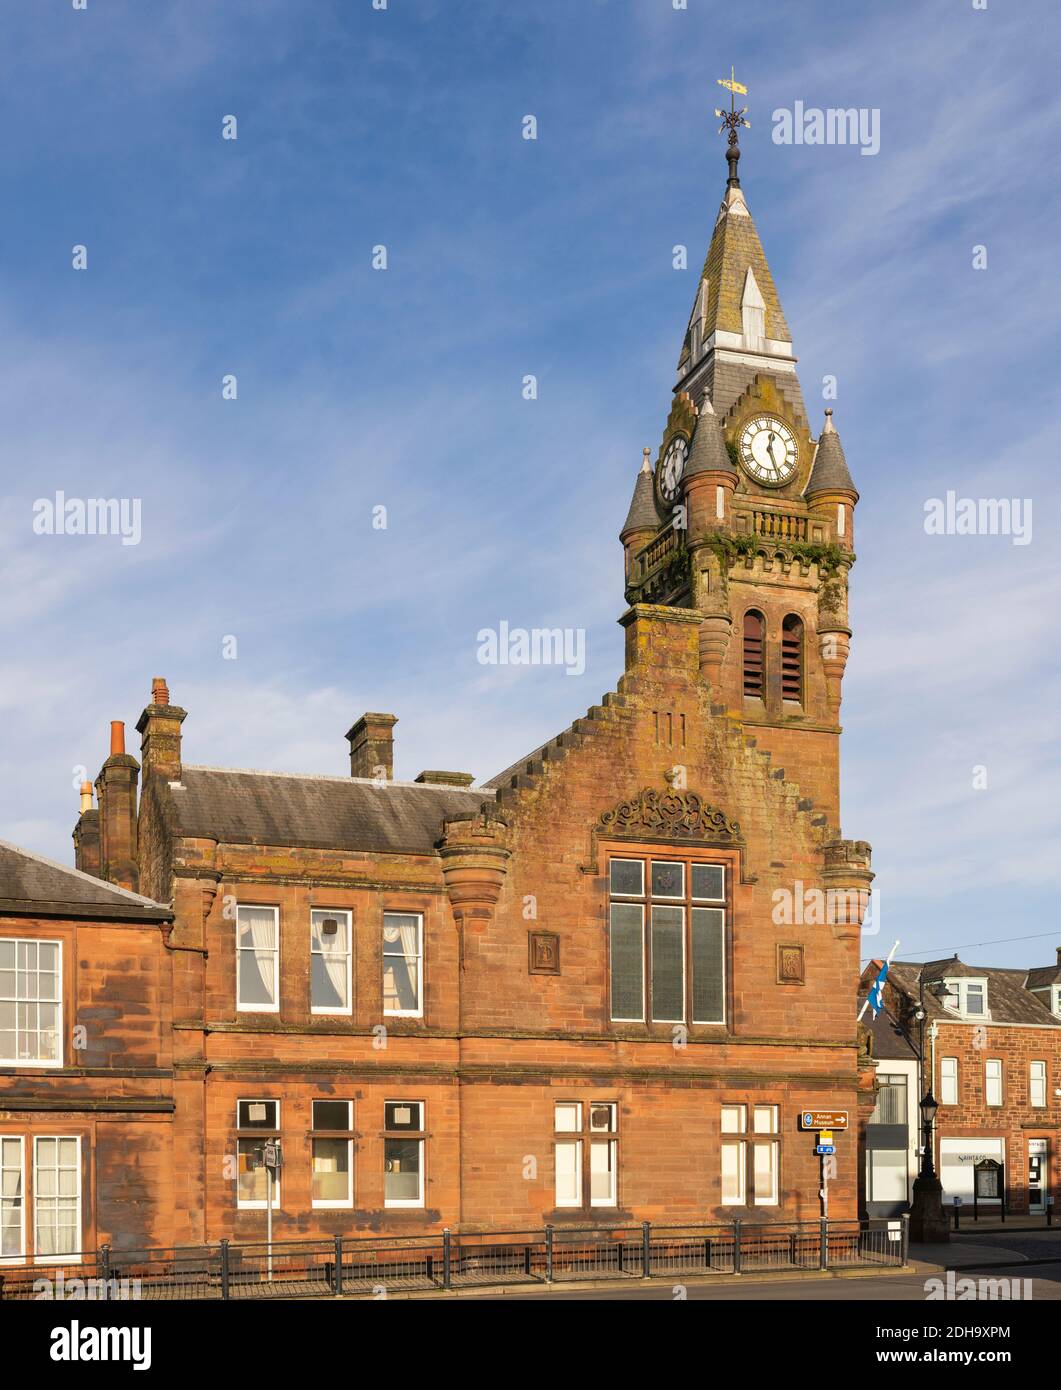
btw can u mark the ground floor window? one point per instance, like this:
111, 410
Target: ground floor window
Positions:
56, 1196
404, 1140
332, 1144
12, 1198
586, 1149
48, 1210
256, 1122
751, 1161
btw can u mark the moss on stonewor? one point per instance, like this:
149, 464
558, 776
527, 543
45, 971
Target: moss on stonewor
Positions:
730, 546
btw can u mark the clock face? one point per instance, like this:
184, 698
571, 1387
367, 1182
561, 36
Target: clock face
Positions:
672, 468
768, 450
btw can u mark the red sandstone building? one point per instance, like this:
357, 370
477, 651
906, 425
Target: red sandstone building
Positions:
572, 994
86, 1094
992, 1059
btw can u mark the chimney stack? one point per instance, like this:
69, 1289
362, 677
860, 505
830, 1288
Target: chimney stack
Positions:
116, 792
86, 835
372, 747
160, 734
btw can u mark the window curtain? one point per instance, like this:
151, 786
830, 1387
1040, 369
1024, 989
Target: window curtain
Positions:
262, 925
333, 951
403, 968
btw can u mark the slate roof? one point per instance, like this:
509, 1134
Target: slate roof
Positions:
708, 453
1043, 975
642, 514
735, 246
890, 1044
351, 813
830, 471
33, 886
1007, 999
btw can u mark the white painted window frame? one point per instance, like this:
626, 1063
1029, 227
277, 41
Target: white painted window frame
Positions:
418, 1012
944, 1079
419, 1199
75, 1256
990, 1062
20, 1258
1037, 1084
327, 1204
959, 985
320, 1009
38, 1061
269, 1133
274, 1007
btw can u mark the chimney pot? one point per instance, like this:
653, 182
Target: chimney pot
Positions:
86, 797
116, 790
159, 727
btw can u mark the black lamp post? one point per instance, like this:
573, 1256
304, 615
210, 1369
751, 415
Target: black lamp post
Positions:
927, 1220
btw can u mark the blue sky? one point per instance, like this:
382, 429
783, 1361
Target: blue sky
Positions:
359, 388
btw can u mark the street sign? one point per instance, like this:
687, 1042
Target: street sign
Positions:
825, 1149
823, 1119
825, 1136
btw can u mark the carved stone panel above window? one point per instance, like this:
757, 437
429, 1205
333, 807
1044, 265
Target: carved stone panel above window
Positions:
671, 814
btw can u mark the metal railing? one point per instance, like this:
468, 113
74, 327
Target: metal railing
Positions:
446, 1261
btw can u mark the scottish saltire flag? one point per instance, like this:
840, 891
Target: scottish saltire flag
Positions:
876, 994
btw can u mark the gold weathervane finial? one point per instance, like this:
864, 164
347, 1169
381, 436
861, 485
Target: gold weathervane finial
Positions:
732, 120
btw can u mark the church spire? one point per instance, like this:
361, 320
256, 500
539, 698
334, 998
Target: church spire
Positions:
737, 328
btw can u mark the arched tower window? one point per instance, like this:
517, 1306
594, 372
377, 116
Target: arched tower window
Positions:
753, 653
792, 659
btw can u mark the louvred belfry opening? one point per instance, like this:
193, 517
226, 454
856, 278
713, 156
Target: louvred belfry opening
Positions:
753, 654
792, 659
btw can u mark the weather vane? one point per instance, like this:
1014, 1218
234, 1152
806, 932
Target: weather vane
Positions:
732, 120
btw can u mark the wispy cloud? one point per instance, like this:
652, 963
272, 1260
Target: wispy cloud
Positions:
404, 389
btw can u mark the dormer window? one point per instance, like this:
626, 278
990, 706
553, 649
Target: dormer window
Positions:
966, 997
1055, 1000
753, 313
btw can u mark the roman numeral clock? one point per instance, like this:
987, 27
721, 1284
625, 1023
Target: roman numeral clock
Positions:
768, 450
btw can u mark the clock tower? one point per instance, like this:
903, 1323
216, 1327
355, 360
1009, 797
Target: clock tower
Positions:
747, 517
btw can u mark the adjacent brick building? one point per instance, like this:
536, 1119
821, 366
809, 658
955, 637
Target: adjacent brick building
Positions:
993, 1063
600, 986
86, 1041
